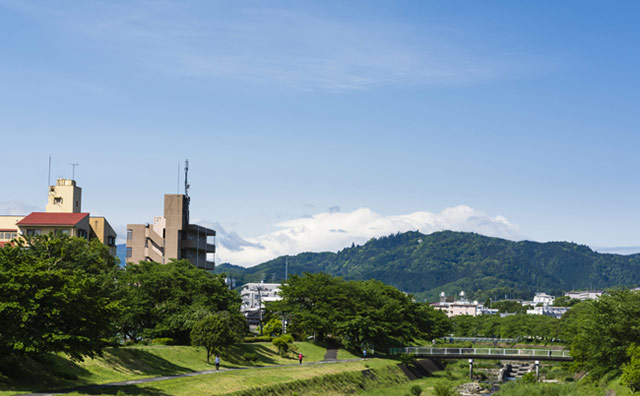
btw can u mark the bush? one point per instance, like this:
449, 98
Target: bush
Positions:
407, 359
129, 342
284, 343
163, 341
257, 339
416, 390
250, 357
529, 378
443, 389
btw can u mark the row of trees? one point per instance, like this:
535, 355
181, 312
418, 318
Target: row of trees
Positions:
61, 294
358, 312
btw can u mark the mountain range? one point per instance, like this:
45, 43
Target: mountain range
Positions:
484, 267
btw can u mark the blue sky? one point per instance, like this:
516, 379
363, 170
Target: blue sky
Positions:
523, 114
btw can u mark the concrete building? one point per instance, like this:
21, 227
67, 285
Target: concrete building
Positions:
63, 215
584, 294
462, 306
172, 237
548, 310
254, 295
543, 298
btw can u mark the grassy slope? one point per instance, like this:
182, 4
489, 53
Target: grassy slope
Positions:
225, 382
122, 364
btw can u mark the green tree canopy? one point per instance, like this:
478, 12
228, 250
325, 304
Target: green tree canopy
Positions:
55, 296
166, 300
601, 331
218, 331
360, 312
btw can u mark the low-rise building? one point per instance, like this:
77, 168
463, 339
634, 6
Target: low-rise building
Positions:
462, 306
255, 295
63, 216
584, 294
548, 310
543, 298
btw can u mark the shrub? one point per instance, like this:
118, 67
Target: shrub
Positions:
163, 341
529, 378
284, 343
257, 339
407, 359
443, 389
416, 390
250, 357
129, 342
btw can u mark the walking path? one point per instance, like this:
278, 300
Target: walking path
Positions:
169, 377
331, 355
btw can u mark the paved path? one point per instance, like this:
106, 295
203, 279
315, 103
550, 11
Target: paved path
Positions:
331, 355
169, 377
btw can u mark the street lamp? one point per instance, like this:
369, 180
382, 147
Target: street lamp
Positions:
471, 369
537, 366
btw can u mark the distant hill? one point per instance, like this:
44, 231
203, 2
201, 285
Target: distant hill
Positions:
451, 261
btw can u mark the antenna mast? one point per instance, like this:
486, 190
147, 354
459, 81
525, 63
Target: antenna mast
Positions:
73, 171
186, 181
49, 177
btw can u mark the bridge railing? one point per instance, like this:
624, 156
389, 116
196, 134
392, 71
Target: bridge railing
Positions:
498, 352
480, 339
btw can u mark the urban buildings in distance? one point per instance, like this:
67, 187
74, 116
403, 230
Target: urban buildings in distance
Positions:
62, 216
172, 237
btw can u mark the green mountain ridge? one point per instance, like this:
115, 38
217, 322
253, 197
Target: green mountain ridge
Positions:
449, 261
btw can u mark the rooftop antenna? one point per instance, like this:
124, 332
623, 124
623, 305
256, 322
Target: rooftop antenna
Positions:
186, 181
49, 176
73, 170
178, 185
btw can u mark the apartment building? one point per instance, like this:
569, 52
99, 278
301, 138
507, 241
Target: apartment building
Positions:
172, 237
63, 215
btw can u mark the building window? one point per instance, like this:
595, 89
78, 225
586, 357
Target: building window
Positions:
33, 232
60, 232
129, 235
81, 233
129, 252
57, 201
111, 241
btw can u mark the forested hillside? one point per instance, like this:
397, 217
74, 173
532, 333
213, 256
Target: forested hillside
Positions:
451, 261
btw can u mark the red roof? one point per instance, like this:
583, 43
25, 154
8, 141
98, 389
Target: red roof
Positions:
45, 219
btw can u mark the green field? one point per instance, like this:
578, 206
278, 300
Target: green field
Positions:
128, 363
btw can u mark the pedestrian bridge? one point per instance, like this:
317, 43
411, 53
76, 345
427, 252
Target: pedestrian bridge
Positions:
485, 353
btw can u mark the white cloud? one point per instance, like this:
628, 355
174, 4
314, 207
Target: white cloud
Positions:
17, 208
333, 230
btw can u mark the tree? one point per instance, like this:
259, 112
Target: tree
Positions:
56, 296
273, 327
360, 312
631, 370
601, 331
166, 300
216, 332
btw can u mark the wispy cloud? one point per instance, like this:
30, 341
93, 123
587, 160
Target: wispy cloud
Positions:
300, 49
17, 208
333, 230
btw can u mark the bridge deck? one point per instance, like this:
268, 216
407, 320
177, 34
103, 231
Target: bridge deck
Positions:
486, 353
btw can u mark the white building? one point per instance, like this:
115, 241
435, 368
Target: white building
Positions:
584, 294
255, 295
548, 310
543, 298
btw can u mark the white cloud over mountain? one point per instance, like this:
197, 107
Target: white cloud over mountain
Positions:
334, 230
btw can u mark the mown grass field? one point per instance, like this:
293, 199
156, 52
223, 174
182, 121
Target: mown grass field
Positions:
128, 363
226, 382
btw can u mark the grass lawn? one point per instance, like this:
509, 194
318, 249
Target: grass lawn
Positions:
127, 363
237, 380
344, 354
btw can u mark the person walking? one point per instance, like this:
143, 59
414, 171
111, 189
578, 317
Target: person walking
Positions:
300, 358
217, 361
364, 353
